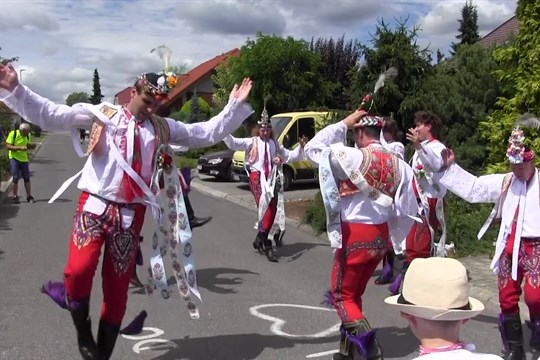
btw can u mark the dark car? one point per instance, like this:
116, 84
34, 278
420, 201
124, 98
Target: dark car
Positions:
217, 164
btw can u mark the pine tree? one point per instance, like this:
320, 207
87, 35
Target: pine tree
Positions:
519, 78
194, 115
468, 26
96, 88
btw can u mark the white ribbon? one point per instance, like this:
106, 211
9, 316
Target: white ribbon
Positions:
173, 235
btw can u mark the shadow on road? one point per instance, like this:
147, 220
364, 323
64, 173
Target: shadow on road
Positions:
44, 161
291, 252
7, 211
238, 347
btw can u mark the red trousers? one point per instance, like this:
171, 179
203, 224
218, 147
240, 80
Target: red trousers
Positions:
363, 247
270, 214
89, 233
528, 270
418, 243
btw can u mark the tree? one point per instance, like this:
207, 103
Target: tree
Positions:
398, 48
5, 61
96, 90
77, 97
462, 92
468, 26
338, 58
519, 77
283, 68
194, 114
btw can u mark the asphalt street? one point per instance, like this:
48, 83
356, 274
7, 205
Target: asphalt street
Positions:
252, 309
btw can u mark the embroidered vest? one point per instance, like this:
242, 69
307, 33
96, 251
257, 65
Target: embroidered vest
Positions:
254, 150
381, 171
161, 128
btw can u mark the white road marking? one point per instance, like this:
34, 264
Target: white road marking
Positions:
138, 347
148, 339
277, 323
321, 354
155, 333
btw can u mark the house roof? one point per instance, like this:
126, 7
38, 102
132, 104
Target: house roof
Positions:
502, 33
185, 81
4, 109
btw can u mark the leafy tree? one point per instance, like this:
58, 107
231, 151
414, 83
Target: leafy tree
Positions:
77, 97
186, 111
468, 26
519, 77
194, 114
398, 48
338, 58
285, 69
96, 90
462, 92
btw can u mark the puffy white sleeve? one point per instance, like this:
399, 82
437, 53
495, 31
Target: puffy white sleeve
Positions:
331, 134
290, 156
483, 189
431, 155
209, 132
45, 113
237, 144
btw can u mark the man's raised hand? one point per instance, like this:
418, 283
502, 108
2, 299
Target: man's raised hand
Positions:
241, 92
8, 77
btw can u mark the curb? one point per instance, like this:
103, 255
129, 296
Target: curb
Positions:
251, 206
5, 186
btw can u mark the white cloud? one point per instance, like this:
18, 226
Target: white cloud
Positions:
61, 42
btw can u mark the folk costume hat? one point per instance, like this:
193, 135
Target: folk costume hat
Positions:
265, 121
436, 288
517, 152
158, 85
370, 120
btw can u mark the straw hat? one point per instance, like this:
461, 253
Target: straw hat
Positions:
436, 289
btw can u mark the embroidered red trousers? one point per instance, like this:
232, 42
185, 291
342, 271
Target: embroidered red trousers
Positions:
528, 270
270, 214
363, 247
418, 242
90, 232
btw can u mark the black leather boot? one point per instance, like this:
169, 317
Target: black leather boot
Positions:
365, 334
135, 279
268, 249
107, 335
512, 336
193, 220
85, 339
258, 244
278, 238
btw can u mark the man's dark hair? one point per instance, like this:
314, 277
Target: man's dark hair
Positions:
391, 126
373, 132
429, 118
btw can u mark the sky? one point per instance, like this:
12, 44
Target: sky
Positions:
60, 42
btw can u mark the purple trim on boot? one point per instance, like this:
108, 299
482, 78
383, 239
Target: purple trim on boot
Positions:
506, 346
534, 326
136, 325
394, 287
363, 342
387, 273
328, 299
57, 292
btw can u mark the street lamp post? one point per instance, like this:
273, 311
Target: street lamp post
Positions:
20, 74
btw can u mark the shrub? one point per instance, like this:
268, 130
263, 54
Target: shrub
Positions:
463, 221
204, 108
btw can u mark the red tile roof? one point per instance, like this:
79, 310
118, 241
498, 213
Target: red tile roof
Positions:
123, 97
185, 81
502, 33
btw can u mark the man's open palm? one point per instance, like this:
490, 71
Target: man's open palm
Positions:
241, 92
8, 77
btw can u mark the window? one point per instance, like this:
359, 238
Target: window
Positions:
302, 127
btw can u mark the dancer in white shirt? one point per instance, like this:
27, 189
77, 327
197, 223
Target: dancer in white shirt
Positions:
264, 156
127, 149
517, 254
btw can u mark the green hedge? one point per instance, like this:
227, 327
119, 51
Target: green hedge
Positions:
463, 221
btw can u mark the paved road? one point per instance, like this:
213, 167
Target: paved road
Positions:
252, 309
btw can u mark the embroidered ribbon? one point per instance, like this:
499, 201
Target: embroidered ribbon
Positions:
331, 200
267, 193
172, 235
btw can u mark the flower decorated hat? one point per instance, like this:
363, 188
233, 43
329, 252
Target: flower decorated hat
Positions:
517, 152
265, 120
158, 85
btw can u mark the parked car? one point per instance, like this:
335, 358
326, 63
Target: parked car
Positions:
217, 164
288, 128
